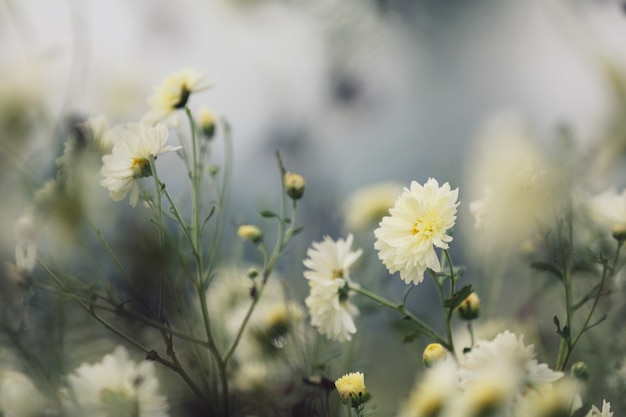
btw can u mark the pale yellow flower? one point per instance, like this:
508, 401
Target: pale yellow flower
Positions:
352, 390
173, 93
417, 224
366, 206
129, 160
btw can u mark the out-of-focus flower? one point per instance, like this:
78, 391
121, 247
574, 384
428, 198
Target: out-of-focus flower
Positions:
130, 159
367, 206
521, 188
352, 390
206, 122
250, 232
27, 233
506, 351
431, 395
19, 397
98, 127
328, 272
609, 208
605, 412
418, 223
470, 308
559, 401
173, 93
294, 184
117, 386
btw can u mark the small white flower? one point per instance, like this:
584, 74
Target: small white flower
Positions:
328, 273
610, 207
133, 147
418, 223
116, 386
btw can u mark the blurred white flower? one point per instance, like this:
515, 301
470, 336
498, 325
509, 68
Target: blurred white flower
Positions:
328, 272
418, 223
367, 205
434, 392
172, 94
19, 397
605, 412
117, 386
505, 353
561, 400
521, 188
610, 208
100, 134
130, 159
27, 234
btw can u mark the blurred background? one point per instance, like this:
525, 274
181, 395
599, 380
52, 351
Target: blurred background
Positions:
351, 92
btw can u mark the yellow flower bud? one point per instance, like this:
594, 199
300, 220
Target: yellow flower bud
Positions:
470, 308
433, 353
206, 122
351, 388
619, 232
294, 183
250, 232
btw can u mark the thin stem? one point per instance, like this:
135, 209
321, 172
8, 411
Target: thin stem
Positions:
402, 310
450, 311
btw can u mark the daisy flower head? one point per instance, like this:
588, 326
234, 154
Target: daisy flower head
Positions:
418, 222
116, 386
328, 274
133, 146
173, 93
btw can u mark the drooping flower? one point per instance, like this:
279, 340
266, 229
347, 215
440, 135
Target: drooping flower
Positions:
328, 273
366, 206
417, 224
133, 147
117, 386
173, 93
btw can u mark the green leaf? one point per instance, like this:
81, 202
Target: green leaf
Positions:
268, 214
297, 230
600, 320
458, 297
549, 268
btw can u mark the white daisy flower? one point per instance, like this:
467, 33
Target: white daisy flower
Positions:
133, 147
117, 386
605, 412
418, 223
610, 208
328, 273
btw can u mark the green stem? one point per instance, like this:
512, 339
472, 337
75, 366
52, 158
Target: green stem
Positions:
402, 310
450, 311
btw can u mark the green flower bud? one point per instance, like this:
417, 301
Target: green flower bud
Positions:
250, 232
470, 308
580, 371
294, 183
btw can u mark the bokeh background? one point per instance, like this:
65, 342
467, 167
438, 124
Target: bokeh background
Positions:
351, 92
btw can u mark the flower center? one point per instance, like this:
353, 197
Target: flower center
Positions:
119, 403
141, 167
337, 273
426, 226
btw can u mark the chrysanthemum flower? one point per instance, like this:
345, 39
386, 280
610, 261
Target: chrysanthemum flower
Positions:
116, 386
130, 158
605, 412
418, 223
610, 209
431, 396
328, 273
506, 351
173, 93
19, 397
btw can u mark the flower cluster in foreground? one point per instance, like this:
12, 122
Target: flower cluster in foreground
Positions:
117, 386
417, 224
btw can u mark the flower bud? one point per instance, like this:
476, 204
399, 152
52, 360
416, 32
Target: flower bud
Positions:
206, 122
470, 308
294, 183
433, 353
619, 232
580, 371
253, 273
250, 232
351, 388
